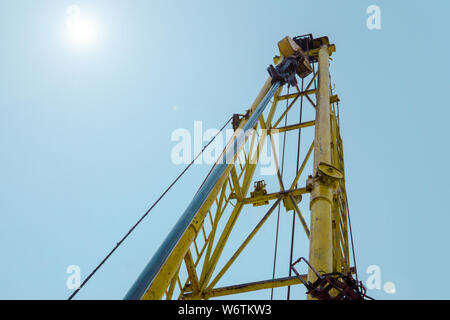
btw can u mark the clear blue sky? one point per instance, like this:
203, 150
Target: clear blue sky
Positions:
85, 135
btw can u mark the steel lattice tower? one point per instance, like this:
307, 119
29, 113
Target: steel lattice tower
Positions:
196, 243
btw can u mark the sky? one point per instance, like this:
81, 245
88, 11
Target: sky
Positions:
85, 134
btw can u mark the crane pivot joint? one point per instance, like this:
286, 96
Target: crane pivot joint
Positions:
294, 63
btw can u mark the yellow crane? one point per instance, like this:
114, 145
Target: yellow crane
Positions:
196, 243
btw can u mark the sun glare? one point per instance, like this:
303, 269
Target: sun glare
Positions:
81, 30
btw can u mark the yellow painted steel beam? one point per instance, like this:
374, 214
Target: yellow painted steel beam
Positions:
210, 265
248, 287
215, 223
316, 52
252, 286
190, 267
243, 245
296, 126
300, 215
297, 94
274, 196
172, 285
321, 244
237, 187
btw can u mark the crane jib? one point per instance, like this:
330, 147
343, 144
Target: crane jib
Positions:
149, 273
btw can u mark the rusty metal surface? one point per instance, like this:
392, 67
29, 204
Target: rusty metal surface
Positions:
332, 286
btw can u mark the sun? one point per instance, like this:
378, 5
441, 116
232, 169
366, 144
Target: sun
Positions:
82, 31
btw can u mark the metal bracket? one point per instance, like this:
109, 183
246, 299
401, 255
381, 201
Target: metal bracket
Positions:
346, 287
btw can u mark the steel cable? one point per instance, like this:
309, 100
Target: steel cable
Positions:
279, 205
146, 214
298, 165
